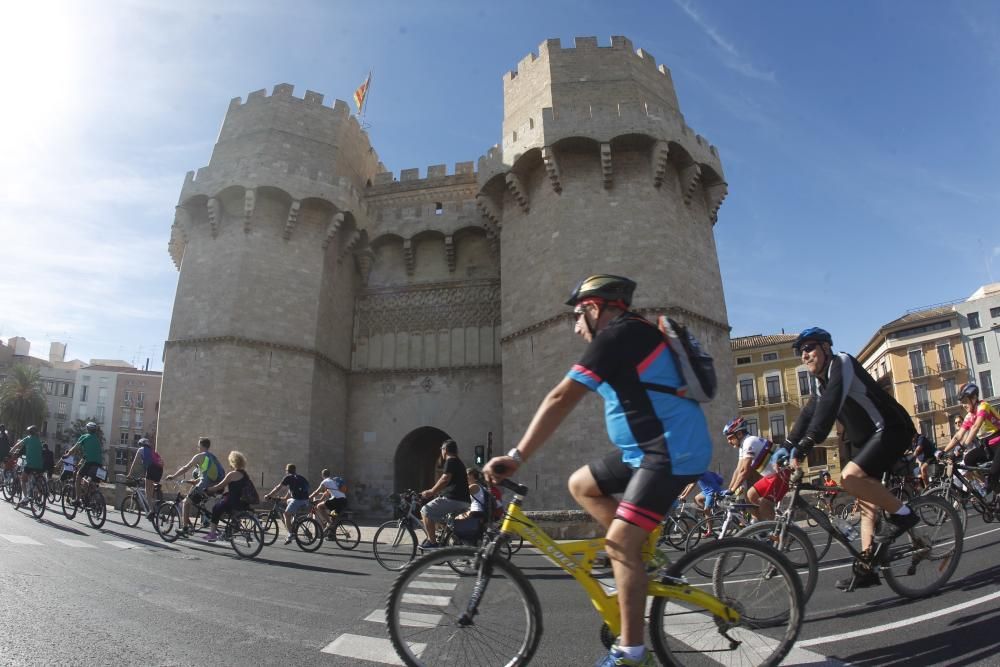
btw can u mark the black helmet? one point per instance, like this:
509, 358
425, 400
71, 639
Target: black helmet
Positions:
812, 333
92, 427
603, 286
32, 430
968, 390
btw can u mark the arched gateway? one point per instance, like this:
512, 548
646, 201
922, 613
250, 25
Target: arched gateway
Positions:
417, 458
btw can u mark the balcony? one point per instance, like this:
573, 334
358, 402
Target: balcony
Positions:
951, 367
923, 407
950, 402
773, 399
748, 402
922, 372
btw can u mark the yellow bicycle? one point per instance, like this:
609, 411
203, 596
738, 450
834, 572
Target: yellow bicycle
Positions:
733, 601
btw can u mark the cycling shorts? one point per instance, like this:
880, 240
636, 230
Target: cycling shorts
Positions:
710, 497
773, 487
882, 451
649, 490
89, 470
336, 504
154, 473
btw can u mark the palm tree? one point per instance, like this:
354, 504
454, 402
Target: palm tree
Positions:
22, 402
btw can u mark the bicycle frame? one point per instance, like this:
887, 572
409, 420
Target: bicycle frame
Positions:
577, 557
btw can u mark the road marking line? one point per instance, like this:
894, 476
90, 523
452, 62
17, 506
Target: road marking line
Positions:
435, 585
122, 544
79, 544
411, 619
20, 539
900, 624
374, 649
436, 600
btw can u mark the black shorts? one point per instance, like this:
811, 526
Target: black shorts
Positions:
649, 491
154, 473
89, 469
335, 504
882, 452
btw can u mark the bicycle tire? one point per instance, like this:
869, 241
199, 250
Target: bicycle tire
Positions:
429, 629
269, 525
308, 533
167, 521
765, 590
516, 542
852, 514
36, 499
716, 535
696, 533
346, 534
932, 549
97, 509
246, 535
945, 493
796, 547
675, 531
53, 492
130, 510
394, 545
68, 496
6, 485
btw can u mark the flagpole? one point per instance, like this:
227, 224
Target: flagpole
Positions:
368, 91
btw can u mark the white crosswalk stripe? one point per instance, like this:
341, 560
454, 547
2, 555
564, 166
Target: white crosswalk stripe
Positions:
122, 544
434, 585
435, 600
411, 619
374, 649
20, 539
77, 544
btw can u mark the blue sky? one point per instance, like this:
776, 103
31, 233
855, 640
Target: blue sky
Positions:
860, 140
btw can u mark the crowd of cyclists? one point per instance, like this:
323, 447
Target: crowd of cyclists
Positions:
662, 452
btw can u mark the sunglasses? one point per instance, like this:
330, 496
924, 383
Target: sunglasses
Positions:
806, 348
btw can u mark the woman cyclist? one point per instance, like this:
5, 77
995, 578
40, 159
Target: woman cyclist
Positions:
981, 421
232, 501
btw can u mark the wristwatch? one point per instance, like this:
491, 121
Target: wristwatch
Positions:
516, 455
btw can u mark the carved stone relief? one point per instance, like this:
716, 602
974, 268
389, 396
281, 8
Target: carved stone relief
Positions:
429, 309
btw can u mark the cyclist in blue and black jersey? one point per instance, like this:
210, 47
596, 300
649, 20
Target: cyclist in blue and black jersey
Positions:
878, 428
662, 441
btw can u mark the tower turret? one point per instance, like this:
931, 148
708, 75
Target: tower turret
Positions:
597, 172
264, 237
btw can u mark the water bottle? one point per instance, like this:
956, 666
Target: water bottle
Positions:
849, 532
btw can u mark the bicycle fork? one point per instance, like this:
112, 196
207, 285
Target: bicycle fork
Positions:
485, 567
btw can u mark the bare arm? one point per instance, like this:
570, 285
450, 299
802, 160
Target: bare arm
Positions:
187, 466
230, 477
739, 475
970, 435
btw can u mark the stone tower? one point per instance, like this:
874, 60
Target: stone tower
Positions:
332, 314
597, 173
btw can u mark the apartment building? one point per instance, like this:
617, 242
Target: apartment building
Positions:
136, 407
979, 321
94, 399
920, 358
772, 387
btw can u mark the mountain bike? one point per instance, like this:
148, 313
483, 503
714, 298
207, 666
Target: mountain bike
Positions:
343, 530
913, 567
242, 529
728, 518
91, 499
747, 612
395, 541
134, 504
34, 494
11, 482
306, 531
677, 525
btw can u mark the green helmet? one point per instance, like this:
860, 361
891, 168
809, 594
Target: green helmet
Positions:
603, 286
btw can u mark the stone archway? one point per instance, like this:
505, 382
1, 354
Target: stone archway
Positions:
417, 458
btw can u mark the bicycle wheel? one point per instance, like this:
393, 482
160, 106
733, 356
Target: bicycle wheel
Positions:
675, 531
945, 493
246, 535
923, 560
5, 485
429, 619
167, 521
36, 499
795, 545
131, 510
764, 589
852, 514
515, 542
97, 510
68, 496
707, 528
52, 486
308, 533
346, 534
269, 525
394, 544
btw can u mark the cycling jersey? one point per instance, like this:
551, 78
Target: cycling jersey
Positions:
32, 450
210, 467
846, 392
331, 485
91, 446
641, 422
760, 452
990, 428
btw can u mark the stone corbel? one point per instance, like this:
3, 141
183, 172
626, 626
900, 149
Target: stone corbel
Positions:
689, 177
517, 190
552, 168
249, 204
449, 252
714, 196
214, 215
661, 156
179, 232
332, 229
351, 244
606, 165
366, 260
292, 220
409, 257
486, 206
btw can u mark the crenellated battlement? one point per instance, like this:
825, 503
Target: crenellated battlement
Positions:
284, 91
433, 175
552, 50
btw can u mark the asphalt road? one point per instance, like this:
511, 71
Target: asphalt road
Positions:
73, 594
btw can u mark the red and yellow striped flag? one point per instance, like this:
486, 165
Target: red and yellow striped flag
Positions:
362, 92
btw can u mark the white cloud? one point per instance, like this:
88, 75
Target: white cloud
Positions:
731, 56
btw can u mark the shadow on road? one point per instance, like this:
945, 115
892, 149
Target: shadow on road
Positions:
159, 544
62, 527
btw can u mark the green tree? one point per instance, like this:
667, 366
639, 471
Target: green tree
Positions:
22, 400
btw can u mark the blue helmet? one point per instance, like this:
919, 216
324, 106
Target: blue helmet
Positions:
812, 333
735, 426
